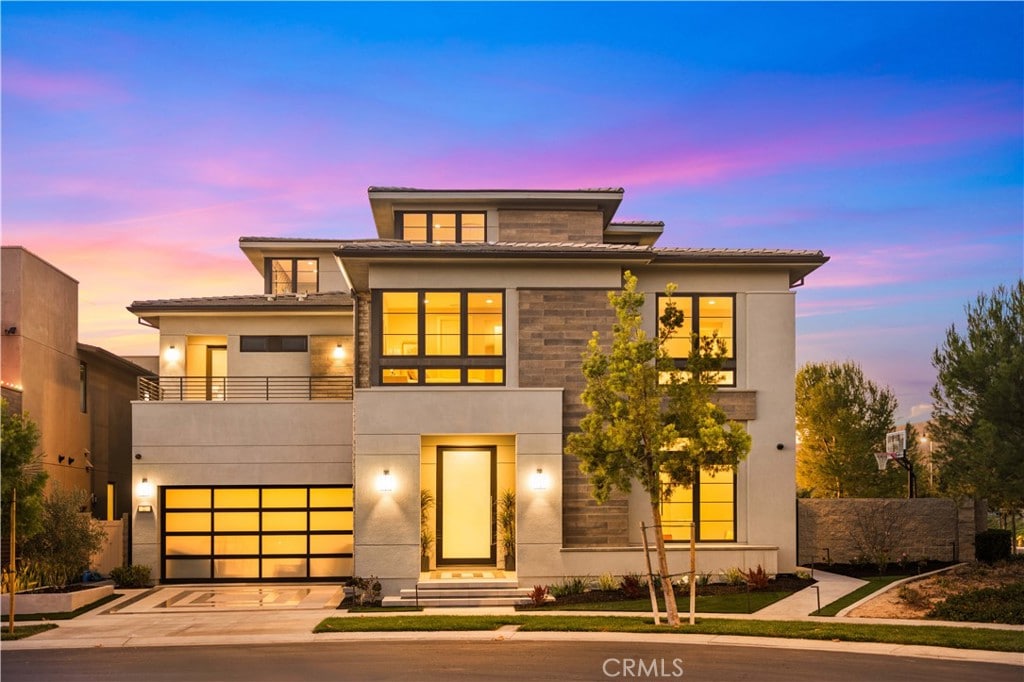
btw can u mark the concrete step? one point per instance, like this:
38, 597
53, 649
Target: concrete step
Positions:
468, 583
455, 593
454, 601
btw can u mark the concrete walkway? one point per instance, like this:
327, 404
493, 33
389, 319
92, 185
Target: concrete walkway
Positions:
205, 615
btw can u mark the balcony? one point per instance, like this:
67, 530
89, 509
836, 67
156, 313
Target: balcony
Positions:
244, 389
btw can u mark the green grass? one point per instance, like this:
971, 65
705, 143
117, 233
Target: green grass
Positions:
924, 635
379, 609
63, 615
23, 631
874, 585
742, 602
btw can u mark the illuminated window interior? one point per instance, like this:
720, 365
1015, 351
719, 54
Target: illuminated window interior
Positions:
711, 505
441, 227
292, 275
703, 316
441, 337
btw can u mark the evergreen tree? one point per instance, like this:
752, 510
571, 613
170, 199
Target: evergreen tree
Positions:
20, 469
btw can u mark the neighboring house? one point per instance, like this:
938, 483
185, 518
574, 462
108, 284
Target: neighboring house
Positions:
78, 395
289, 433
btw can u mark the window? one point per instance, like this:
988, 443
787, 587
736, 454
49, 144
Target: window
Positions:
439, 337
447, 227
83, 387
274, 344
291, 275
711, 505
704, 315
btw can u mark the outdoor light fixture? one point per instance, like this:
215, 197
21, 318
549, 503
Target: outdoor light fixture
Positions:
172, 354
339, 352
60, 459
539, 480
385, 482
144, 491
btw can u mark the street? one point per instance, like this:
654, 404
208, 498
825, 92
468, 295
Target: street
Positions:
486, 661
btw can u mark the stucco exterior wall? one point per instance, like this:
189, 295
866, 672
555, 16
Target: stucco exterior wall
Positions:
229, 443
922, 528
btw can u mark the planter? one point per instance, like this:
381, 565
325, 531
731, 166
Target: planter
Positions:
55, 602
510, 562
425, 564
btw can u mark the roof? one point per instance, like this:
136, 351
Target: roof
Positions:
600, 190
111, 358
247, 302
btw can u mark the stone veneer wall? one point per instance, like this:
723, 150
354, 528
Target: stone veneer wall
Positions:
362, 340
554, 328
551, 226
922, 528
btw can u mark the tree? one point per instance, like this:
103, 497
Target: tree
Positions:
62, 550
978, 401
841, 421
648, 423
20, 470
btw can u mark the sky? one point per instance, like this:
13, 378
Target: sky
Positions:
140, 141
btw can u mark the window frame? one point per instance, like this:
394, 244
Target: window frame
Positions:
695, 510
729, 364
268, 274
421, 362
400, 225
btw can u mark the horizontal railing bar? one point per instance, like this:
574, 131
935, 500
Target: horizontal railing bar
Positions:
227, 388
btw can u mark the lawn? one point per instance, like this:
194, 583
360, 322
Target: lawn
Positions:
739, 602
23, 631
874, 585
924, 635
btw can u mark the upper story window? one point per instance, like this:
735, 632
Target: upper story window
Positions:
273, 344
704, 315
440, 227
291, 275
439, 337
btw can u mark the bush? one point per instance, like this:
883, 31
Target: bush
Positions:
913, 597
757, 578
570, 585
992, 545
734, 576
62, 549
135, 575
366, 590
633, 585
607, 582
987, 605
539, 595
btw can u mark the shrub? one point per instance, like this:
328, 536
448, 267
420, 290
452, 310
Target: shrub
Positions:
607, 582
61, 550
134, 575
987, 605
734, 576
366, 590
570, 585
703, 578
757, 578
633, 585
993, 545
539, 595
913, 597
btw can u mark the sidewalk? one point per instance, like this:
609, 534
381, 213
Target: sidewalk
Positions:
227, 621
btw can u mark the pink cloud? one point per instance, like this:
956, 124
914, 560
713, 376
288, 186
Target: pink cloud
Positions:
899, 263
68, 90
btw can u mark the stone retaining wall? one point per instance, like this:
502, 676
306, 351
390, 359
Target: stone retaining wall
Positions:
846, 530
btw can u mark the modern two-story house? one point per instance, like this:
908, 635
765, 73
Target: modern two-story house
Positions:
290, 433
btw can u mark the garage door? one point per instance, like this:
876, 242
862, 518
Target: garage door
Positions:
286, 533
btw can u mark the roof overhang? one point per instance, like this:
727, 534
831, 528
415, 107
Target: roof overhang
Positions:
384, 201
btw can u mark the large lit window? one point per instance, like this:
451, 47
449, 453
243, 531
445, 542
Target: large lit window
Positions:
703, 315
440, 337
711, 505
450, 226
291, 275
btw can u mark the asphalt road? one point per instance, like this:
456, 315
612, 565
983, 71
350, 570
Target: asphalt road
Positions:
485, 661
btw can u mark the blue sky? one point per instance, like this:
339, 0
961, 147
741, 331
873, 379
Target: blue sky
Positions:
141, 140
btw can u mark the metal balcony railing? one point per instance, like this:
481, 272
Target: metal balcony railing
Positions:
245, 388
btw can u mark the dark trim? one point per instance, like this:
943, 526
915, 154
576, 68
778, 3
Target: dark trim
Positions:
400, 224
259, 534
728, 364
695, 511
491, 560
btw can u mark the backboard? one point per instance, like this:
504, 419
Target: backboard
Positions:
896, 443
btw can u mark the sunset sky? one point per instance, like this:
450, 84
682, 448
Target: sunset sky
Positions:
140, 141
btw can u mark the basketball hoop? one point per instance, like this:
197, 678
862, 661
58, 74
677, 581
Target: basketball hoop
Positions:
882, 459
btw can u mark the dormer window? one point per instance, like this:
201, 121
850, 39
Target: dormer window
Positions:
291, 275
441, 227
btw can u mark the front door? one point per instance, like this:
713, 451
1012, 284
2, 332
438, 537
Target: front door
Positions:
466, 485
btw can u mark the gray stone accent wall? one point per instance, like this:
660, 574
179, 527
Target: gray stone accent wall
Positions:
922, 528
738, 405
550, 226
554, 327
362, 340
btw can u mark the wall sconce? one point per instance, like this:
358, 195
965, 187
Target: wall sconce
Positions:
339, 352
172, 354
71, 460
60, 459
539, 480
144, 491
385, 482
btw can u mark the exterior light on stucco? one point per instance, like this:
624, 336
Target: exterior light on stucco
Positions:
339, 352
539, 480
172, 354
144, 491
385, 482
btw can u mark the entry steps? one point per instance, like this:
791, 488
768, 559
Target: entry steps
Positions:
466, 592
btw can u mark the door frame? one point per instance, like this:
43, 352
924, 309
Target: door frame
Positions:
491, 560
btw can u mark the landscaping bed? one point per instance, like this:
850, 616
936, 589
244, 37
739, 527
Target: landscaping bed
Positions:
902, 568
54, 600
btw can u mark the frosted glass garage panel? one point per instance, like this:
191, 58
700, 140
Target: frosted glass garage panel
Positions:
184, 498
285, 544
330, 497
188, 544
284, 567
236, 497
328, 567
236, 544
341, 520
330, 544
187, 569
187, 522
285, 497
241, 569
